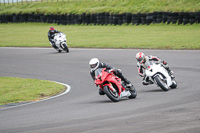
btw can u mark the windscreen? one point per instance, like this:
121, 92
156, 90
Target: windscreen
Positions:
148, 63
98, 72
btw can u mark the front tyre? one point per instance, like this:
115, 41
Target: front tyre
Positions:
161, 83
65, 48
112, 95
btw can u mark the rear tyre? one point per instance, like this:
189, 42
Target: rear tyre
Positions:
161, 83
111, 94
174, 84
133, 92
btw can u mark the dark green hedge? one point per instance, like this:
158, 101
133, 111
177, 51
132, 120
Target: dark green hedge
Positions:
106, 18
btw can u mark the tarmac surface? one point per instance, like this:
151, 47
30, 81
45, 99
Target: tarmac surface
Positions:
83, 110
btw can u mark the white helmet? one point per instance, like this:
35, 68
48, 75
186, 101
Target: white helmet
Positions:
94, 63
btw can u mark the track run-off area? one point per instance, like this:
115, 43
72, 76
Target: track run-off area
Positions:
83, 110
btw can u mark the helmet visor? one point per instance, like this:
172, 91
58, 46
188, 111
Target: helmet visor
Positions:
141, 60
93, 65
52, 31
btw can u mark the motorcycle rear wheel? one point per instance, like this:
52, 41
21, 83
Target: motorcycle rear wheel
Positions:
174, 84
133, 92
162, 84
113, 96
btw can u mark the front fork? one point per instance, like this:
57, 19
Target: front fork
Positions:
110, 86
121, 92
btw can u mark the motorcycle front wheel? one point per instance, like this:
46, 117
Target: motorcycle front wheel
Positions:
161, 83
111, 94
65, 48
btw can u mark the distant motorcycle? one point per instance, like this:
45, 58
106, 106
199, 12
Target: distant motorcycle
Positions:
61, 42
158, 75
112, 86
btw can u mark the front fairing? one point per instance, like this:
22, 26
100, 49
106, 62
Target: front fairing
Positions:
102, 78
148, 64
60, 37
63, 36
153, 69
60, 40
99, 77
149, 68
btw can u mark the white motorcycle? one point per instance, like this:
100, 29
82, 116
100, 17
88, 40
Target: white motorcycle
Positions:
61, 42
158, 75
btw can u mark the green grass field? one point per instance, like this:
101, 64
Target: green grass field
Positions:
14, 90
96, 6
155, 36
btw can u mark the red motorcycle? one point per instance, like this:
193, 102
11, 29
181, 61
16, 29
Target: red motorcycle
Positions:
112, 85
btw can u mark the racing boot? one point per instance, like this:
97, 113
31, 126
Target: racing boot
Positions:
164, 64
101, 92
144, 82
171, 74
128, 83
54, 46
169, 71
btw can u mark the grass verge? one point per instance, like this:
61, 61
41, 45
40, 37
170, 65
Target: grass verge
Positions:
154, 36
97, 6
15, 90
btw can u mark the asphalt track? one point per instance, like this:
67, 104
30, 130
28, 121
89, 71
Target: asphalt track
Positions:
82, 110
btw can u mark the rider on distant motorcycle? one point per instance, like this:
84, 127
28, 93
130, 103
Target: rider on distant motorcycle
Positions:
51, 34
141, 58
95, 63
